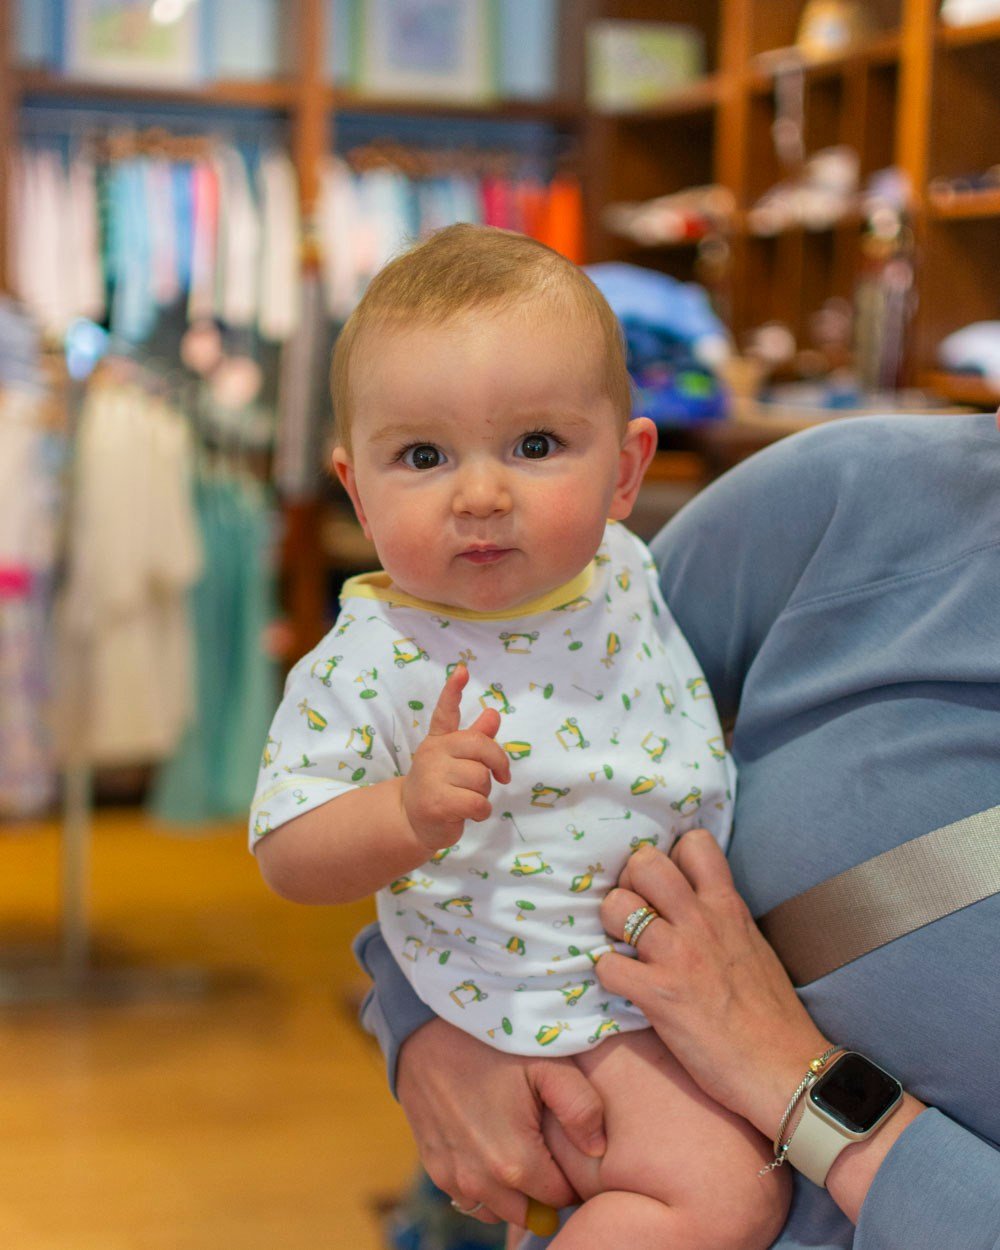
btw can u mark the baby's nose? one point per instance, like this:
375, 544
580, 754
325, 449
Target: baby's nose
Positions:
482, 490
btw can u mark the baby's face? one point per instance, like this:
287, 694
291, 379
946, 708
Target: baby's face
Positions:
486, 456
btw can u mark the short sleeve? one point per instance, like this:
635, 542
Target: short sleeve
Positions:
322, 742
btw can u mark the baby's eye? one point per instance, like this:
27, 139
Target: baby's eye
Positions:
422, 456
536, 446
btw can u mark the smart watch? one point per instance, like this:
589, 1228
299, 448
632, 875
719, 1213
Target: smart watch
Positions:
844, 1105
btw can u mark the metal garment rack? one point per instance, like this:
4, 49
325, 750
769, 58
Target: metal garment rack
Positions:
72, 975
71, 970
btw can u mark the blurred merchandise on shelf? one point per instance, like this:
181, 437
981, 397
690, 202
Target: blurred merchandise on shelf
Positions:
968, 12
824, 193
682, 217
829, 27
884, 297
635, 65
943, 190
676, 344
32, 456
974, 349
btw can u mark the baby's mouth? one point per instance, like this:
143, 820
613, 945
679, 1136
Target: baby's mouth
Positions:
484, 555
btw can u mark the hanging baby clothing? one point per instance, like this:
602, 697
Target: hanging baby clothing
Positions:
278, 310
134, 554
29, 497
212, 773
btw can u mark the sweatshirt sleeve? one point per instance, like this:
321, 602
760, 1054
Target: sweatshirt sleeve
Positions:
391, 1010
737, 554
938, 1186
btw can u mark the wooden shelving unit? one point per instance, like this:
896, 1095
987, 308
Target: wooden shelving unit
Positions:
277, 95
913, 93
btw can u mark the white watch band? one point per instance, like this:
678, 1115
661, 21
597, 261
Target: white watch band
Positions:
815, 1144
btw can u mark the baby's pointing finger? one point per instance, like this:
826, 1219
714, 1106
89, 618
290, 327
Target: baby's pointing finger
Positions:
446, 717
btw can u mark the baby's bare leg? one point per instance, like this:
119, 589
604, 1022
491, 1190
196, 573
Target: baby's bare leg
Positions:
679, 1172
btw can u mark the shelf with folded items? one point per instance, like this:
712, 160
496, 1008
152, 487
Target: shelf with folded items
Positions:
276, 94
969, 36
944, 204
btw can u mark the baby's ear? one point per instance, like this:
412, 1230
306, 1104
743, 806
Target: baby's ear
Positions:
344, 470
637, 450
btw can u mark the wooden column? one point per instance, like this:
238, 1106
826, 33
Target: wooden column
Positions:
310, 114
732, 137
916, 70
8, 102
303, 560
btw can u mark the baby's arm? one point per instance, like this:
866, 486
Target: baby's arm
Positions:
366, 838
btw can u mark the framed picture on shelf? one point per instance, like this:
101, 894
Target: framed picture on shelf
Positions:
134, 42
427, 49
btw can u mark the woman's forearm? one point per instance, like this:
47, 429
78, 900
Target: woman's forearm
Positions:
344, 850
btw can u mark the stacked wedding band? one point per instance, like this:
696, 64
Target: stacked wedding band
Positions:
466, 1210
637, 923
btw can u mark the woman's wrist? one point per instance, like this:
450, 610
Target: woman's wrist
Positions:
779, 1078
854, 1169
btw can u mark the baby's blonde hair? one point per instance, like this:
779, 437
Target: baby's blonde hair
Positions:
463, 268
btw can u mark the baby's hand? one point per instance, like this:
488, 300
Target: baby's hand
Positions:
453, 769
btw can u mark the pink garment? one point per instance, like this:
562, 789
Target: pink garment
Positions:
205, 195
495, 194
15, 583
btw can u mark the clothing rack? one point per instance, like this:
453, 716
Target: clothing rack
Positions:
253, 128
75, 972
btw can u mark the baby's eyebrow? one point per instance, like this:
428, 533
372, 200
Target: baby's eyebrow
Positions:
397, 434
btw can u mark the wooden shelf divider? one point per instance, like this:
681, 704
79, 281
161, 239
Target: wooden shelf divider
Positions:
249, 93
959, 205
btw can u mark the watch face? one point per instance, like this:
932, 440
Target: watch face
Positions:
856, 1093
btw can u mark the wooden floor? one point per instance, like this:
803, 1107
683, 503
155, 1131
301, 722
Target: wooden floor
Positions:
249, 1115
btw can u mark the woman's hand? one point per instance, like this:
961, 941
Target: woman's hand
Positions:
476, 1115
712, 987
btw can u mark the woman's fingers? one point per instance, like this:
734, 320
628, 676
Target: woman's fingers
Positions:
702, 861
656, 881
574, 1102
476, 1116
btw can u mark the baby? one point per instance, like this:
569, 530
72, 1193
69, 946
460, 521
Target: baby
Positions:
483, 404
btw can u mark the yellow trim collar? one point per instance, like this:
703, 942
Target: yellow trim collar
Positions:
379, 585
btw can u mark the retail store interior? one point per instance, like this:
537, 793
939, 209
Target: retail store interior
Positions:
194, 194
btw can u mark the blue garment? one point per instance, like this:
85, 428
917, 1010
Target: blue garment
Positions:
841, 591
678, 309
214, 768
133, 309
673, 339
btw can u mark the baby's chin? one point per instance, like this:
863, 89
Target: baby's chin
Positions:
486, 595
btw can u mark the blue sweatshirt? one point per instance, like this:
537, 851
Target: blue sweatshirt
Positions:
841, 591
